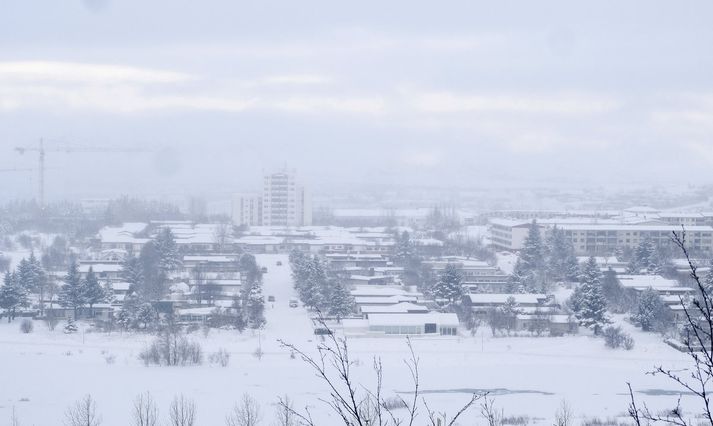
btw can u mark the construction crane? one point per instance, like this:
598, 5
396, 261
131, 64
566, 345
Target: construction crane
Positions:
17, 170
41, 151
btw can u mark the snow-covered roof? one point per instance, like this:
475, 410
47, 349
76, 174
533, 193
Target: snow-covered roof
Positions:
381, 291
259, 240
402, 307
218, 258
674, 215
634, 228
122, 234
646, 281
442, 319
510, 223
207, 310
385, 300
121, 286
501, 298
100, 267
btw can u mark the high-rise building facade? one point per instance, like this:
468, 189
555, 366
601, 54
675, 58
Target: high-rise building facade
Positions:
284, 201
247, 210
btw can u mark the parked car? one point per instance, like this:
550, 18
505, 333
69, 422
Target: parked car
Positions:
270, 298
263, 270
279, 263
321, 331
293, 303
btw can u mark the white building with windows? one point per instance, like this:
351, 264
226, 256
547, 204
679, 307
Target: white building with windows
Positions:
247, 210
284, 201
433, 323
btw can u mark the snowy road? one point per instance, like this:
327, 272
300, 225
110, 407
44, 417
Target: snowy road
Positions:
283, 322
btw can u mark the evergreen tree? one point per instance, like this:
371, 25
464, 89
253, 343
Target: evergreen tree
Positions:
132, 273
708, 280
38, 281
298, 263
449, 285
24, 275
509, 310
646, 258
154, 279
71, 295
561, 263
12, 295
145, 315
124, 318
92, 291
239, 321
532, 253
312, 292
522, 279
613, 291
250, 268
255, 307
651, 313
405, 256
109, 296
588, 301
341, 302
404, 249
530, 268
70, 327
169, 257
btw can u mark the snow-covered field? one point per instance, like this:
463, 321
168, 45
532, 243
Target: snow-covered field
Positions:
44, 372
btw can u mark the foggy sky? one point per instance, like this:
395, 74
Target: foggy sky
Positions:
450, 93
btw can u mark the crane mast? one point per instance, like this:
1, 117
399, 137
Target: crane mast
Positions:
41, 151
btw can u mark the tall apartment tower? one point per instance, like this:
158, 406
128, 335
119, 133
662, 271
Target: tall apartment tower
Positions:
284, 201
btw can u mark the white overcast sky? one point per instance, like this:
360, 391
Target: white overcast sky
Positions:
363, 91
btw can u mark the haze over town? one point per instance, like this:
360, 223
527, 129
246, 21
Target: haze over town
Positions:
368, 213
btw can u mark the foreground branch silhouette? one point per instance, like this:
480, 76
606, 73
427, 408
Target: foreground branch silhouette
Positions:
357, 404
698, 340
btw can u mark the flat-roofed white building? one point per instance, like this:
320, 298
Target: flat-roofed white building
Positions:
602, 239
433, 323
508, 234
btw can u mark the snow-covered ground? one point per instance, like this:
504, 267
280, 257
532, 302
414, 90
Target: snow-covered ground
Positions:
506, 261
44, 372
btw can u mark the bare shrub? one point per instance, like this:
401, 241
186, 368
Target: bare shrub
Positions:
615, 338
258, 353
14, 419
563, 415
628, 342
221, 358
608, 421
171, 348
182, 412
26, 326
516, 420
393, 403
284, 414
83, 413
51, 323
145, 411
492, 416
245, 413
